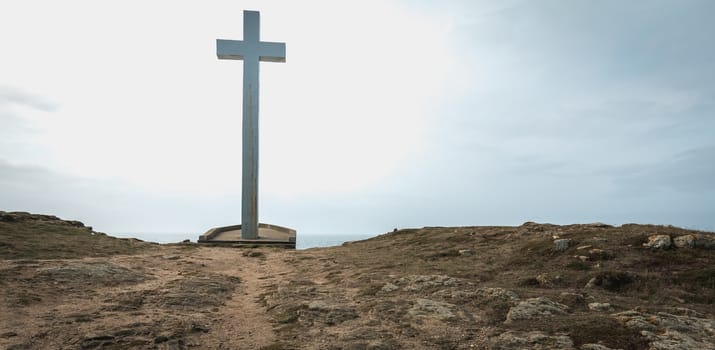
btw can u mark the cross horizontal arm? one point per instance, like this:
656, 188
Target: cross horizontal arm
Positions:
272, 52
230, 49
237, 49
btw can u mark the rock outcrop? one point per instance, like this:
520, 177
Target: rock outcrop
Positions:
535, 308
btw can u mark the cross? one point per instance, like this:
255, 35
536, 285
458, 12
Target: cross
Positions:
251, 50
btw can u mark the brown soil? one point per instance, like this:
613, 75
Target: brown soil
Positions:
431, 288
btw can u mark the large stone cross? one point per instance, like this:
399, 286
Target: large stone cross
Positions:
251, 50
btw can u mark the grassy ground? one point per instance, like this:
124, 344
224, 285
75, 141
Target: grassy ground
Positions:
429, 288
521, 259
28, 236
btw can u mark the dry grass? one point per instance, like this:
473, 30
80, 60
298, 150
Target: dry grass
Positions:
355, 311
27, 236
521, 259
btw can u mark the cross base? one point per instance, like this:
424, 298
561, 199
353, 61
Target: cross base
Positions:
268, 235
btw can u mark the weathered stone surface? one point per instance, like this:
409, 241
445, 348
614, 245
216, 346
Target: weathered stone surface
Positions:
481, 295
546, 280
419, 282
389, 287
561, 244
687, 241
497, 294
432, 309
658, 242
328, 313
195, 293
530, 341
466, 252
600, 307
91, 273
671, 332
206, 291
535, 308
674, 340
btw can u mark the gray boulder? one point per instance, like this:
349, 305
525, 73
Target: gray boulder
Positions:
561, 244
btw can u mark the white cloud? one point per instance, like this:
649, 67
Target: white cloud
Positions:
145, 99
385, 114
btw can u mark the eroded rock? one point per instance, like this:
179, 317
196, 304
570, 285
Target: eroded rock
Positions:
658, 242
687, 241
389, 287
497, 294
671, 332
534, 308
419, 282
600, 307
433, 309
466, 252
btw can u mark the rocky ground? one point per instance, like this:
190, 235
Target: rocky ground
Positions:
535, 286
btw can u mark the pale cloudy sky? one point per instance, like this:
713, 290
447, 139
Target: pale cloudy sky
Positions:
386, 114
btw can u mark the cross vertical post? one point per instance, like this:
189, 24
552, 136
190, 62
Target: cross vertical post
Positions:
251, 50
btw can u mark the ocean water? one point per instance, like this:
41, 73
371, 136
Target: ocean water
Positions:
303, 240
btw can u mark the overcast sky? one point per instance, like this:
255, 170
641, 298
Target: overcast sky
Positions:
386, 114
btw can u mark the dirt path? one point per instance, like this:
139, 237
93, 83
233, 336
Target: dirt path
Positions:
244, 321
170, 298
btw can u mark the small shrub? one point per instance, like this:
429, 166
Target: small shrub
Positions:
579, 265
614, 281
528, 282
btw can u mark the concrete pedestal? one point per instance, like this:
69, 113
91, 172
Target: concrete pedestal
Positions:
268, 235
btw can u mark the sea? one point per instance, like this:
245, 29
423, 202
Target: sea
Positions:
303, 240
